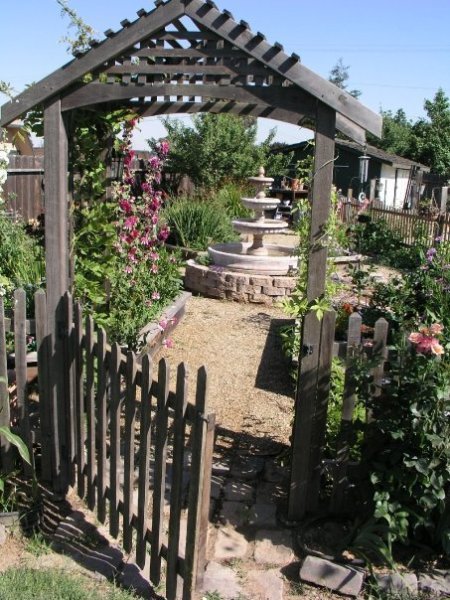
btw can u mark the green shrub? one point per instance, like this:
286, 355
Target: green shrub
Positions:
196, 224
21, 258
229, 197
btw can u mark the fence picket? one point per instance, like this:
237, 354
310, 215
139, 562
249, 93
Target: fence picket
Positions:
40, 300
90, 412
69, 354
80, 444
195, 536
348, 406
101, 425
176, 491
159, 488
20, 353
144, 460
114, 462
128, 476
380, 350
5, 447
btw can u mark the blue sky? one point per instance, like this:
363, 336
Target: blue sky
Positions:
398, 50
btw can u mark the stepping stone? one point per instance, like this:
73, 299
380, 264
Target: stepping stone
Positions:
221, 579
234, 514
265, 585
325, 573
273, 547
237, 491
263, 515
248, 467
216, 486
230, 544
274, 473
397, 583
436, 582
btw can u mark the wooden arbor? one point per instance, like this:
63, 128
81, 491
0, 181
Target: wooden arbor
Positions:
187, 56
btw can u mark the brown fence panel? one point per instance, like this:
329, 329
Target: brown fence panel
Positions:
24, 186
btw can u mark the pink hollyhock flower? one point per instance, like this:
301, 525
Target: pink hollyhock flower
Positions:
130, 223
164, 147
415, 337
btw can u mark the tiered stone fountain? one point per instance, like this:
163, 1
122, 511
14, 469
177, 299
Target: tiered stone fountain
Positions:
256, 256
252, 271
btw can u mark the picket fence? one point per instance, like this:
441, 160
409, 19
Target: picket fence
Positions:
414, 228
131, 442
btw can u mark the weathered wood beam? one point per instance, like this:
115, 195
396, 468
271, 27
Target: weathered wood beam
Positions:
311, 390
322, 89
62, 78
285, 98
57, 277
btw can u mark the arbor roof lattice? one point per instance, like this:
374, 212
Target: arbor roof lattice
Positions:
188, 56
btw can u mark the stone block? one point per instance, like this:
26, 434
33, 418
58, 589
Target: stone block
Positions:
237, 491
221, 579
265, 585
273, 547
260, 299
437, 582
393, 583
260, 281
284, 282
234, 514
248, 467
247, 288
230, 544
325, 573
273, 291
275, 473
263, 515
242, 279
237, 296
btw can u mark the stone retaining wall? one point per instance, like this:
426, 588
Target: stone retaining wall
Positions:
217, 282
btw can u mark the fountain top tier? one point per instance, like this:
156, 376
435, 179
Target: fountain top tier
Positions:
256, 257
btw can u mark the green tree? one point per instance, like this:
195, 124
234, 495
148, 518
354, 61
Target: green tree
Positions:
339, 75
216, 149
431, 137
397, 133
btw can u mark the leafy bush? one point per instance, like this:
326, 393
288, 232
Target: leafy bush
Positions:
376, 238
229, 197
139, 298
196, 224
21, 258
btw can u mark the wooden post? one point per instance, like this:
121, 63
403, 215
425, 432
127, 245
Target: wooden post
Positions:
304, 430
57, 262
6, 457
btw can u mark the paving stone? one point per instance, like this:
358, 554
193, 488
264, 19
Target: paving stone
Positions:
396, 582
230, 544
221, 467
265, 585
216, 486
438, 583
234, 514
325, 573
221, 579
248, 467
263, 515
274, 473
273, 547
238, 491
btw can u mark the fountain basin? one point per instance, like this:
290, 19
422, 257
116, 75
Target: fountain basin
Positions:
260, 204
265, 227
278, 261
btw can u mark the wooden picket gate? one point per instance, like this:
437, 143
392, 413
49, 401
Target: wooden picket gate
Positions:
124, 439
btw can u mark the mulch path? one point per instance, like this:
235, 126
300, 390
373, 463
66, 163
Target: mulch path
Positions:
249, 386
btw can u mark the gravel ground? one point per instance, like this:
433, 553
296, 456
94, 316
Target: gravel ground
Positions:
249, 387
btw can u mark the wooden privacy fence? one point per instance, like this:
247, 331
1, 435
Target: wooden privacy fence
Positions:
23, 189
140, 453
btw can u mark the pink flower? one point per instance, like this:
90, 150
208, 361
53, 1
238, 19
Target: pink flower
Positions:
163, 324
130, 223
155, 296
437, 349
415, 337
436, 328
168, 343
